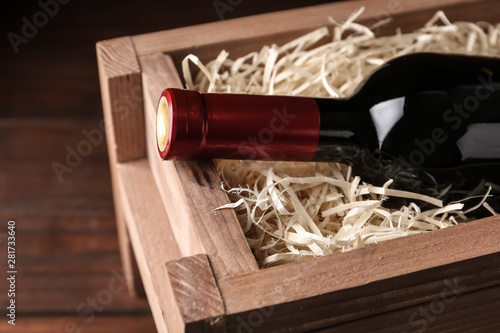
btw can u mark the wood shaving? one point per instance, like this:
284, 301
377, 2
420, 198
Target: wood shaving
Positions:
294, 211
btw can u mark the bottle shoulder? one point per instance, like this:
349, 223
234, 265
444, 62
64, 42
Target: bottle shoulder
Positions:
417, 72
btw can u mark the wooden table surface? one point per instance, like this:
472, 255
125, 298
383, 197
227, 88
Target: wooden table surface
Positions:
54, 181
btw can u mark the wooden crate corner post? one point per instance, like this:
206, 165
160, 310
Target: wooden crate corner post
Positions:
196, 294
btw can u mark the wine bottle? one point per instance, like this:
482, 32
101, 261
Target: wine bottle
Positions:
424, 110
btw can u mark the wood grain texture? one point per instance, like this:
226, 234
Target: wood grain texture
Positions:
272, 25
191, 190
474, 312
220, 231
121, 91
389, 276
156, 75
71, 323
196, 294
248, 34
67, 249
152, 238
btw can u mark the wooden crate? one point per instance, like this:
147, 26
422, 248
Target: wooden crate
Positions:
196, 267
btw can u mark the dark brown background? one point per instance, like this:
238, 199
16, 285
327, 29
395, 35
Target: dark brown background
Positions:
67, 251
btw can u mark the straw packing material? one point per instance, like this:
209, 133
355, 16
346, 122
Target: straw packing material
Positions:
294, 211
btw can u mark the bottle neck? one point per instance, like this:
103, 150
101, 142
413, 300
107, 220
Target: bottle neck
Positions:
237, 126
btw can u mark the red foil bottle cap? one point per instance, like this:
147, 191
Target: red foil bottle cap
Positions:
191, 125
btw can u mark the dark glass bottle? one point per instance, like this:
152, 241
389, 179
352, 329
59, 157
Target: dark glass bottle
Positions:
423, 111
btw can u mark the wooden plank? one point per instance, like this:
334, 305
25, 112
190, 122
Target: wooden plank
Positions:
280, 26
121, 91
239, 37
66, 231
196, 294
133, 278
152, 239
157, 76
120, 323
66, 264
391, 275
75, 293
47, 221
218, 232
470, 312
32, 147
71, 269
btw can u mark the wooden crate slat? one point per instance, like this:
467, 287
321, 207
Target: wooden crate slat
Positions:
468, 312
197, 182
220, 230
287, 22
473, 241
100, 324
244, 35
155, 70
152, 239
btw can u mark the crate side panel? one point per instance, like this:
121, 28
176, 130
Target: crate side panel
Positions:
288, 22
476, 242
477, 311
152, 240
164, 172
